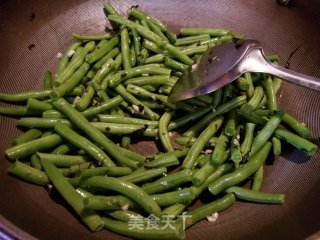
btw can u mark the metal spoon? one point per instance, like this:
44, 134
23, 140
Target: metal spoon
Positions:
226, 62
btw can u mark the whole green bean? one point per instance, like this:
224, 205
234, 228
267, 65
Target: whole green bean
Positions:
167, 199
192, 39
242, 173
165, 161
174, 51
126, 120
37, 105
113, 53
24, 96
152, 80
48, 80
33, 122
73, 198
94, 111
128, 189
153, 27
250, 90
255, 196
104, 49
189, 141
158, 58
190, 160
31, 147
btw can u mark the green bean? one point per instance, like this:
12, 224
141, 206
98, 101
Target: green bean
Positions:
217, 98
213, 32
28, 173
140, 15
118, 202
35, 162
174, 210
18, 111
33, 122
158, 58
190, 159
141, 175
203, 159
92, 37
74, 65
153, 27
163, 131
83, 143
52, 114
254, 101
242, 173
271, 97
257, 179
174, 51
81, 122
297, 126
83, 103
191, 50
145, 32
273, 58
153, 47
123, 228
189, 141
276, 144
192, 39
63, 149
262, 137
36, 105
168, 182
126, 120
219, 150
167, 199
157, 79
64, 60
230, 128
73, 198
47, 80
125, 49
109, 8
165, 161
173, 64
255, 196
137, 71
27, 136
276, 84
61, 160
109, 171
236, 155
125, 215
204, 172
31, 147
223, 108
71, 82
296, 141
220, 171
24, 96
242, 83
113, 53
250, 90
94, 111
263, 112
215, 41
77, 91
208, 209
128, 189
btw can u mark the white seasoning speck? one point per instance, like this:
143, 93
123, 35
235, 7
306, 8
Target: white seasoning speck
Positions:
170, 134
145, 75
208, 151
70, 53
214, 110
59, 55
125, 207
213, 217
135, 108
76, 99
194, 66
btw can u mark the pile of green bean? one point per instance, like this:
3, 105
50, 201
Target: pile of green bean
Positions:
112, 89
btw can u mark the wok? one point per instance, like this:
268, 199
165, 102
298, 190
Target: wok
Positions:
34, 31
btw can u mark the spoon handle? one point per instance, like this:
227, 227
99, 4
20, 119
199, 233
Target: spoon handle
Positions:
294, 77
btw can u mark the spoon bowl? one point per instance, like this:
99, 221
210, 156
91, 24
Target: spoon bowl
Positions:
222, 64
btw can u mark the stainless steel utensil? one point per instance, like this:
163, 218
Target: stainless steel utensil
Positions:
224, 63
